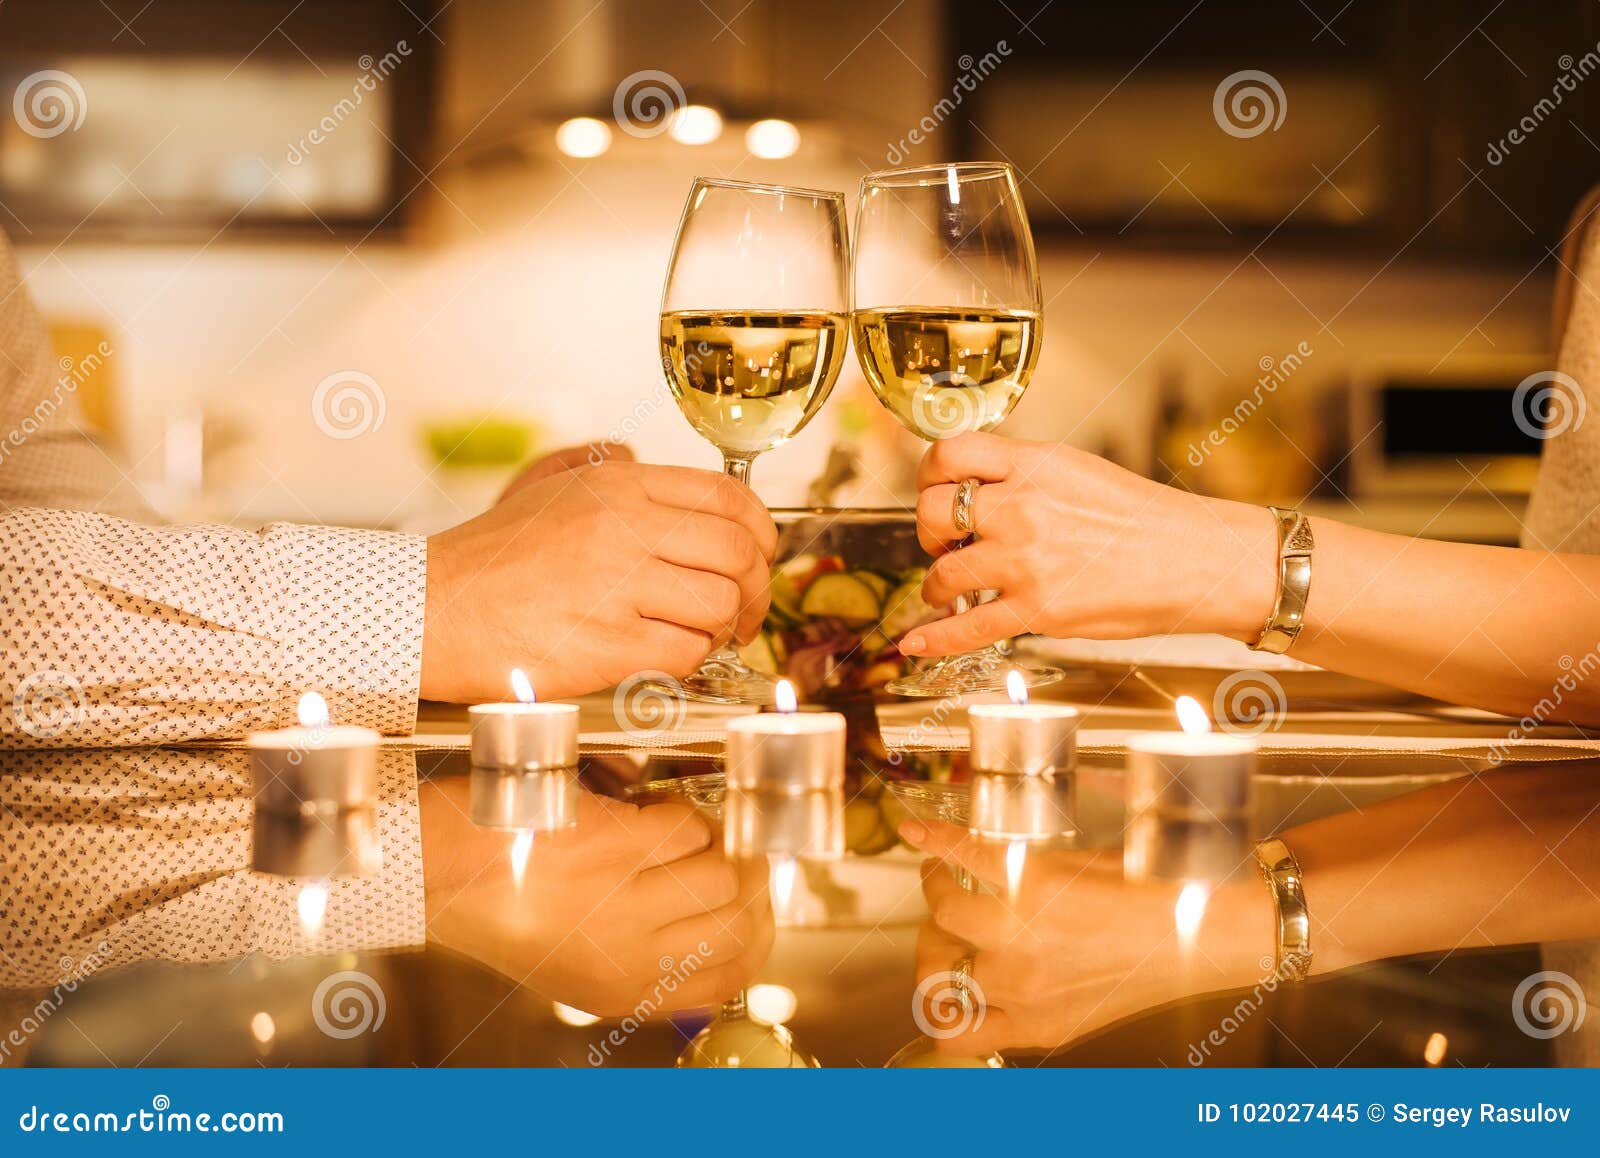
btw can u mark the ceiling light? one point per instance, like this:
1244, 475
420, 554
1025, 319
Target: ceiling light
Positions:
772, 140
583, 137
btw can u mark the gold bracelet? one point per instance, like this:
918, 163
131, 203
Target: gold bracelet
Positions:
1295, 544
1292, 954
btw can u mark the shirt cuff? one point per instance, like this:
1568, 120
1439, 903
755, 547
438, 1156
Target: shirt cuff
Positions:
352, 617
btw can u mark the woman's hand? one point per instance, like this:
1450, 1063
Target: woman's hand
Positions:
1075, 948
1079, 547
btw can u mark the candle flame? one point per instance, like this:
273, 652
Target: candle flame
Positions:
783, 874
784, 698
1016, 687
1192, 716
313, 710
312, 903
1190, 911
1016, 857
521, 847
954, 185
522, 687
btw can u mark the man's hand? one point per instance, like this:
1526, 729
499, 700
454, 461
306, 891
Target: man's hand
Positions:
588, 575
632, 904
565, 459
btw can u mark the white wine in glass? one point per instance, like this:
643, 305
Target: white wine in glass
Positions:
947, 329
754, 326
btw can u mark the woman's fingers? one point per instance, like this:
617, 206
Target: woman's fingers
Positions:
985, 457
936, 514
978, 919
983, 566
983, 625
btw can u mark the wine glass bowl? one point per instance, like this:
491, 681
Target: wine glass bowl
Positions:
947, 326
754, 327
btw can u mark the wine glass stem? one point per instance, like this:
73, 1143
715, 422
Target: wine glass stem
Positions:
737, 469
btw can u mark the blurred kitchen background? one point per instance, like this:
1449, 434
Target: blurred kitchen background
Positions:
352, 260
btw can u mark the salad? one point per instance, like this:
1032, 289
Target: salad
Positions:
832, 630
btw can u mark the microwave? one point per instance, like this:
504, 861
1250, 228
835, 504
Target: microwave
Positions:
1418, 430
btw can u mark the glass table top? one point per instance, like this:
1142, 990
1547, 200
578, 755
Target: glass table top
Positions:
134, 932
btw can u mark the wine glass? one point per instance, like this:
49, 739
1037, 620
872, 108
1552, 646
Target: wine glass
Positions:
733, 1039
947, 329
754, 326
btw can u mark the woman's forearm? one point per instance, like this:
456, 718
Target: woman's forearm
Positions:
1504, 858
1512, 630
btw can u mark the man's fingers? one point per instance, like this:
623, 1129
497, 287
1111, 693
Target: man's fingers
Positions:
985, 457
567, 458
701, 600
714, 494
716, 545
979, 627
983, 566
686, 888
642, 837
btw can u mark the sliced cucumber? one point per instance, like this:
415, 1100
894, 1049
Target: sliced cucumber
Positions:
877, 582
788, 584
905, 608
841, 595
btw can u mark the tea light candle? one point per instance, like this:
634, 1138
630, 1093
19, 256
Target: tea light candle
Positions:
1024, 759
524, 800
316, 795
1190, 798
785, 778
525, 735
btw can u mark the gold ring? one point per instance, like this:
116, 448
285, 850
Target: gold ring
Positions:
966, 495
963, 972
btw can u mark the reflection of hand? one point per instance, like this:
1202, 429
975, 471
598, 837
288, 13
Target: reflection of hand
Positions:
632, 904
587, 576
1077, 948
1078, 547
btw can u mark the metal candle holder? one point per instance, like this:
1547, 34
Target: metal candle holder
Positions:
524, 799
316, 802
1190, 800
1024, 770
785, 786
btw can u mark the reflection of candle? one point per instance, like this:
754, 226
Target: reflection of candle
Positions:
785, 777
526, 734
1189, 800
1023, 763
316, 792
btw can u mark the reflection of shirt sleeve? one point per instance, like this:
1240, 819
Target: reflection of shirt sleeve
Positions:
113, 631
114, 857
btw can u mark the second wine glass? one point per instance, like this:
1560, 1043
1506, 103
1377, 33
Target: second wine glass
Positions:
947, 329
754, 327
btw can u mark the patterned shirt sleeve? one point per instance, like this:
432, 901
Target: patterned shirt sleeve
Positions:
116, 631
